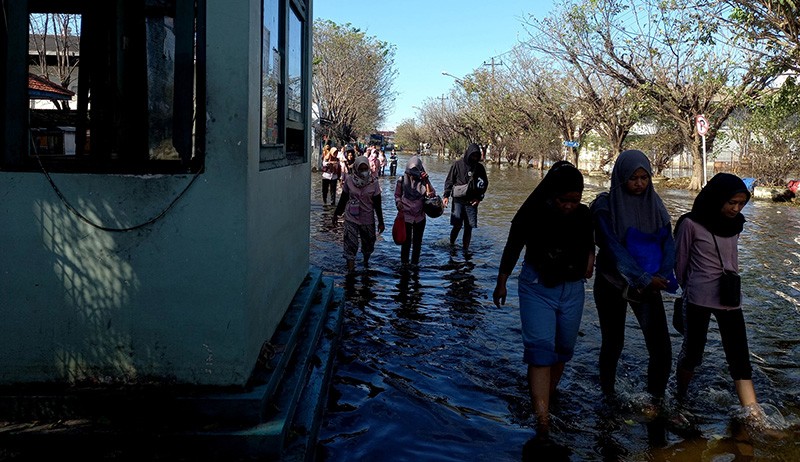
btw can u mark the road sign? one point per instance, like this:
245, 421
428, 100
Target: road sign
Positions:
702, 124
571, 144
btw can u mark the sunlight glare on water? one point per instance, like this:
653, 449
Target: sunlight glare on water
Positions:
430, 370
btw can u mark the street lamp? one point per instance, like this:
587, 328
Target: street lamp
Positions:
460, 81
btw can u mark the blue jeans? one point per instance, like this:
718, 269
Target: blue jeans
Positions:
551, 317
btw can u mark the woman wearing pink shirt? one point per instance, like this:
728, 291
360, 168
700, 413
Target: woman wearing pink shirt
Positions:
706, 246
360, 204
409, 196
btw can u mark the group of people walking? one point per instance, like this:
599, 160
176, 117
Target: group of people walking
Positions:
360, 203
338, 162
638, 258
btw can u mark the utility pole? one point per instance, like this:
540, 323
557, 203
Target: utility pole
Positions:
443, 143
491, 91
492, 64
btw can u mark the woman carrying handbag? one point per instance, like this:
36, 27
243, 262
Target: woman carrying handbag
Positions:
706, 266
410, 193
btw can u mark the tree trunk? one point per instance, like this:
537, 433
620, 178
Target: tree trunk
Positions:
696, 182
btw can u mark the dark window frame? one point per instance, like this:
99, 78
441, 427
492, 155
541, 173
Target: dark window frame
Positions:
118, 118
292, 145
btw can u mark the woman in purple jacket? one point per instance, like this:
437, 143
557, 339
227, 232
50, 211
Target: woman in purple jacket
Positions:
706, 246
409, 196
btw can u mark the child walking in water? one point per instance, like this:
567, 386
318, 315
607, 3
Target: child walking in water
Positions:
707, 246
556, 231
360, 203
635, 263
409, 195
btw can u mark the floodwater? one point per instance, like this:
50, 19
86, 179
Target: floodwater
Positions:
430, 370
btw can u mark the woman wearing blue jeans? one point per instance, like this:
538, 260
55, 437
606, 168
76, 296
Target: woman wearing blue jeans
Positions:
556, 230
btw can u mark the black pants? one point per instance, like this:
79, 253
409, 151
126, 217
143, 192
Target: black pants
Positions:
731, 331
414, 233
611, 311
393, 169
329, 184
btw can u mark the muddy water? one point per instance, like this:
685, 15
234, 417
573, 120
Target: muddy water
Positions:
430, 369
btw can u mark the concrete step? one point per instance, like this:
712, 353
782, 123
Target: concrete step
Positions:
277, 418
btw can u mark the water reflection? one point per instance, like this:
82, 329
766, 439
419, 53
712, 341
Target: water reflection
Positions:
460, 288
430, 369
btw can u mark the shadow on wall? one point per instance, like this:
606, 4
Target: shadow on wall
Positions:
88, 319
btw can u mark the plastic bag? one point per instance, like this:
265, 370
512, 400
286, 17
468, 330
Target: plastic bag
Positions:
399, 229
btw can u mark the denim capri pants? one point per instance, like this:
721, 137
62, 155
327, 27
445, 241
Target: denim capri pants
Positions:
551, 317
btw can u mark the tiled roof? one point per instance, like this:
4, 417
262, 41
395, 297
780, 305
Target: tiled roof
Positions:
41, 87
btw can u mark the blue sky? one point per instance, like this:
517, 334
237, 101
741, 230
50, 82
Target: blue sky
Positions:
432, 36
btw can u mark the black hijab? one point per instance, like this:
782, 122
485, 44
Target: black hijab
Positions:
707, 207
562, 178
557, 245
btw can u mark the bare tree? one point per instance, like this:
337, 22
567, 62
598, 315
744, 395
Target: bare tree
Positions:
56, 39
353, 78
614, 107
543, 89
774, 23
672, 54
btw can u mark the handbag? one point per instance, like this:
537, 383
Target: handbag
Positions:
461, 190
399, 229
434, 207
730, 283
466, 189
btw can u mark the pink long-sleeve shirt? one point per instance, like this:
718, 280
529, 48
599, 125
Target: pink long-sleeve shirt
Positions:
413, 210
697, 264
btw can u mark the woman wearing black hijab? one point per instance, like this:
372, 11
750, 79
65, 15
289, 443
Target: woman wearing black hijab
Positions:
635, 262
706, 247
556, 231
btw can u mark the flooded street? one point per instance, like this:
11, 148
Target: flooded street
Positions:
430, 370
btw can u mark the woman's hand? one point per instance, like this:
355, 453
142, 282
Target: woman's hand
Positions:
499, 294
657, 284
500, 291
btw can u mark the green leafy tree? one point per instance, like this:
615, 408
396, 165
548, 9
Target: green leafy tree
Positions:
773, 153
408, 135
